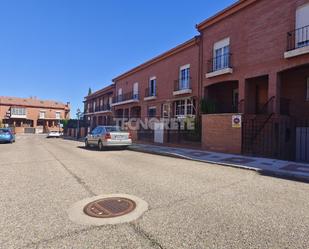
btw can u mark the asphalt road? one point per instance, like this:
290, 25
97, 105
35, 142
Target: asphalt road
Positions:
191, 204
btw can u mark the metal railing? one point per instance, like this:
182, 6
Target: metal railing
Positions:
220, 62
102, 108
298, 38
182, 84
150, 92
126, 96
268, 107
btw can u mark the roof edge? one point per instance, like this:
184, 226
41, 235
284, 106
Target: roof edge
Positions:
232, 9
160, 57
102, 90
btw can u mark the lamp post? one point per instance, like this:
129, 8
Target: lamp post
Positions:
78, 114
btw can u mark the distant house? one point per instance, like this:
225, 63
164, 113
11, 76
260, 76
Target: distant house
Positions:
32, 115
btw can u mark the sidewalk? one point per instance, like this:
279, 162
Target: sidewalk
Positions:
265, 166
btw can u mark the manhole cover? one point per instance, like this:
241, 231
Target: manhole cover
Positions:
109, 207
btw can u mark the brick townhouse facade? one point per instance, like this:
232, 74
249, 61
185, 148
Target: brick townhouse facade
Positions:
164, 87
256, 62
32, 115
250, 64
97, 107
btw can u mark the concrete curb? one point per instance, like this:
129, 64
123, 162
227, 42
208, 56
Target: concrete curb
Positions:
280, 174
74, 139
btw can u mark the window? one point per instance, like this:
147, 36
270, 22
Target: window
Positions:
18, 111
166, 110
221, 55
119, 94
302, 29
185, 107
135, 91
184, 78
190, 107
58, 115
152, 86
42, 114
307, 97
180, 108
152, 112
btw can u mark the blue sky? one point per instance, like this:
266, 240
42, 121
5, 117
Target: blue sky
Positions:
57, 49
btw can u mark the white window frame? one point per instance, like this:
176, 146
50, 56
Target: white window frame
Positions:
135, 90
184, 106
221, 60
42, 114
18, 111
58, 115
166, 110
153, 92
302, 20
179, 106
184, 82
119, 96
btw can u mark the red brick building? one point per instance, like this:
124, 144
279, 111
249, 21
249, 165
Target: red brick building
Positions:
256, 61
247, 73
98, 109
32, 115
166, 86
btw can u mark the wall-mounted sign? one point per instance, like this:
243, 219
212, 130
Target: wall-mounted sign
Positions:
236, 121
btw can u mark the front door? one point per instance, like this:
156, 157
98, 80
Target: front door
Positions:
159, 132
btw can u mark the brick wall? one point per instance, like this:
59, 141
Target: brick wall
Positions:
218, 134
166, 72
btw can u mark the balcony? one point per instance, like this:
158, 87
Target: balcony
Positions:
126, 98
17, 113
150, 94
219, 65
99, 109
182, 86
49, 117
297, 42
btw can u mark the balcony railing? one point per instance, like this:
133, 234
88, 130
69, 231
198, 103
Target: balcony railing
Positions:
103, 108
150, 92
126, 97
298, 38
219, 63
182, 84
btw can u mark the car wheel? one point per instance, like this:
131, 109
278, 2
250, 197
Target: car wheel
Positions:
86, 143
101, 147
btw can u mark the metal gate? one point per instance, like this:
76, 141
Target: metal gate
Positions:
276, 137
29, 130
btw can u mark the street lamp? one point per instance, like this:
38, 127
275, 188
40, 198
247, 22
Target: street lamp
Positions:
78, 114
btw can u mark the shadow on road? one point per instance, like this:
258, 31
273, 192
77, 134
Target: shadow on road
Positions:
97, 149
289, 177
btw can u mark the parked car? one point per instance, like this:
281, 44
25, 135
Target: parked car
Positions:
54, 134
108, 136
7, 135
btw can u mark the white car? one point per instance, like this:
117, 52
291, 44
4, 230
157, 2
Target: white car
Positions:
54, 134
108, 136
